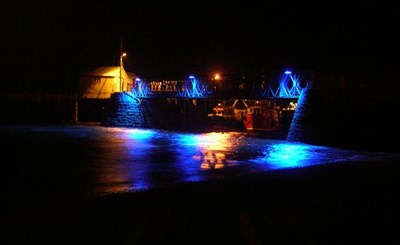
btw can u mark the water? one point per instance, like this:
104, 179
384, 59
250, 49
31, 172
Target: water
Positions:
93, 160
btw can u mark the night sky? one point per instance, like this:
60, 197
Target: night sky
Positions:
52, 44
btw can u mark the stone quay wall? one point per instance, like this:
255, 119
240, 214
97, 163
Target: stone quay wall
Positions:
350, 119
124, 110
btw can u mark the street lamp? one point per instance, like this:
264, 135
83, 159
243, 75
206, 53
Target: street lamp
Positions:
120, 71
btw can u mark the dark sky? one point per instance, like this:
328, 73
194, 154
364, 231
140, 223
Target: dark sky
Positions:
57, 42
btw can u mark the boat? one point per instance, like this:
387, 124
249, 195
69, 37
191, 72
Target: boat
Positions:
262, 117
225, 117
224, 110
256, 116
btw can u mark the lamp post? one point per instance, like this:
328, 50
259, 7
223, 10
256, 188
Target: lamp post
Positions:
120, 71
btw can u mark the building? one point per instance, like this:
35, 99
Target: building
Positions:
103, 81
96, 87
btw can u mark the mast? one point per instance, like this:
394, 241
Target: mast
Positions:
120, 50
120, 64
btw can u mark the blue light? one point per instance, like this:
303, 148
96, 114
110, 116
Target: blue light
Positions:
289, 155
188, 139
193, 88
141, 89
288, 72
139, 134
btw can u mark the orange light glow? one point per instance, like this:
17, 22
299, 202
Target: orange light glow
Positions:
213, 147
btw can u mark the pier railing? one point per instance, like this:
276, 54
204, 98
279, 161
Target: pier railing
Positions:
286, 86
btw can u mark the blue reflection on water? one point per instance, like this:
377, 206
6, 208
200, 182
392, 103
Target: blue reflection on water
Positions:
140, 135
292, 155
105, 160
286, 156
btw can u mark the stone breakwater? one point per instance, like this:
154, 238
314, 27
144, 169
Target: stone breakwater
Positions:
362, 119
123, 110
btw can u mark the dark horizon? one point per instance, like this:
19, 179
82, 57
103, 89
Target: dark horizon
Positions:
53, 45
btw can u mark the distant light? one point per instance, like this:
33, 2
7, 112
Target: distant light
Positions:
191, 77
288, 72
217, 77
124, 54
137, 79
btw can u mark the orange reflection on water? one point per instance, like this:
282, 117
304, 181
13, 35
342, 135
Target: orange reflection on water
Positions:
213, 148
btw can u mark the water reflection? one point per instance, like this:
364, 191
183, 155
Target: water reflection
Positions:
287, 155
143, 159
213, 148
104, 160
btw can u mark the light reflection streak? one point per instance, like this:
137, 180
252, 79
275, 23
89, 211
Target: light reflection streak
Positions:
212, 149
121, 163
140, 134
285, 155
294, 155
